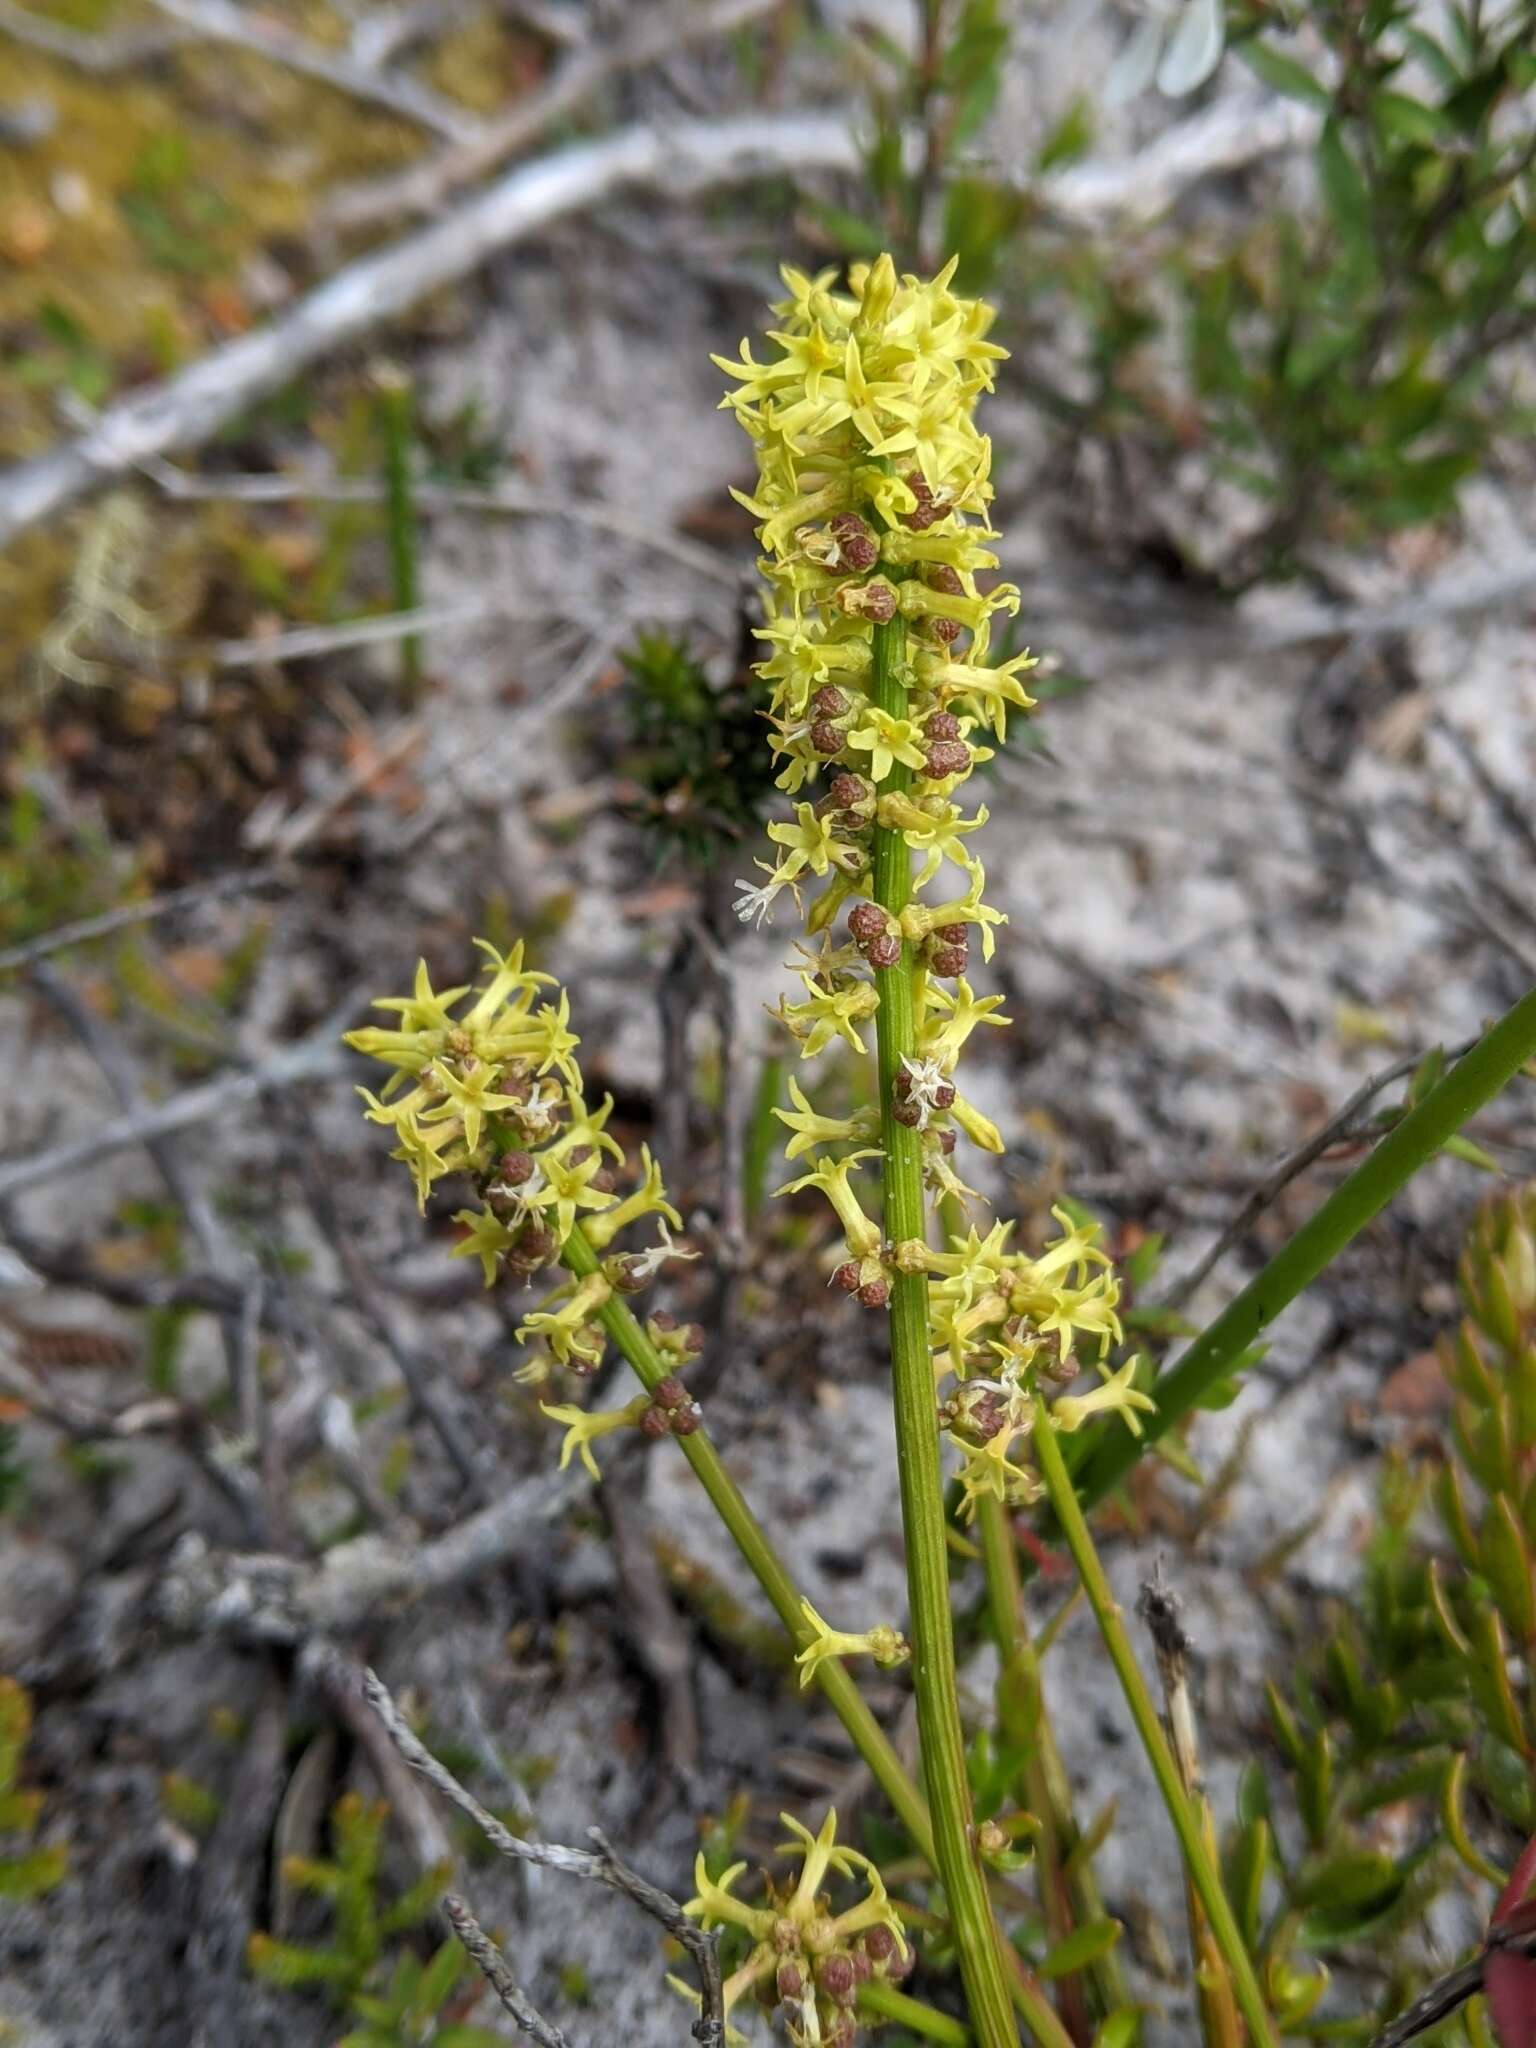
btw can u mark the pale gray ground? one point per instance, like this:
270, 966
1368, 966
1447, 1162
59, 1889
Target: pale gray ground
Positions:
1219, 862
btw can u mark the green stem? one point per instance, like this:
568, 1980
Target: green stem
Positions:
394, 393
767, 1567
1197, 1858
883, 2001
842, 1694
905, 1214
1069, 1890
1474, 1081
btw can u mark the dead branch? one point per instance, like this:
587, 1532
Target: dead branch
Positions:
679, 160
1227, 136
598, 1865
1342, 1124
81, 929
319, 1057
646, 36
492, 1965
257, 1597
396, 92
512, 500
98, 54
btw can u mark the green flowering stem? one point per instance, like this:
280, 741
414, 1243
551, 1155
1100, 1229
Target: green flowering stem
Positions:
1198, 1862
1473, 1082
940, 1735
882, 2001
1069, 1890
843, 1695
869, 1738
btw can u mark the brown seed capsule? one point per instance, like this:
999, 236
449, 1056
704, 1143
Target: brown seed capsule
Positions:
884, 951
943, 1094
947, 757
514, 1168
908, 1113
841, 2031
603, 1180
686, 1420
927, 511
693, 1338
847, 1276
828, 702
953, 934
857, 546
867, 921
874, 1293
879, 1944
863, 1968
790, 1981
948, 961
655, 1423
946, 1142
947, 630
825, 737
875, 600
901, 1087
578, 1155
835, 1977
670, 1392
536, 1241
849, 791
662, 1320
943, 578
941, 725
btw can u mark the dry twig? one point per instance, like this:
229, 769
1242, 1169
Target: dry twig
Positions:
397, 92
648, 34
680, 160
1341, 1125
599, 1864
492, 1965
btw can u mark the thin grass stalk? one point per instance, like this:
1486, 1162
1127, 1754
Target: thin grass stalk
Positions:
1472, 1083
400, 520
1068, 1889
1220, 2025
1198, 1860
884, 2002
917, 1436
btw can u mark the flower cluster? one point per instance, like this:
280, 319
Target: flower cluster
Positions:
873, 486
492, 1092
806, 1960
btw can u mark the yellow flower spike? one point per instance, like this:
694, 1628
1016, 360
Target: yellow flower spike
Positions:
471, 1097
819, 1853
989, 1473
887, 1645
485, 1238
830, 1176
887, 740
423, 1009
713, 1906
1116, 1397
584, 1426
562, 1190
978, 1128
810, 1128
827, 1014
565, 1329
649, 1199
962, 1011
